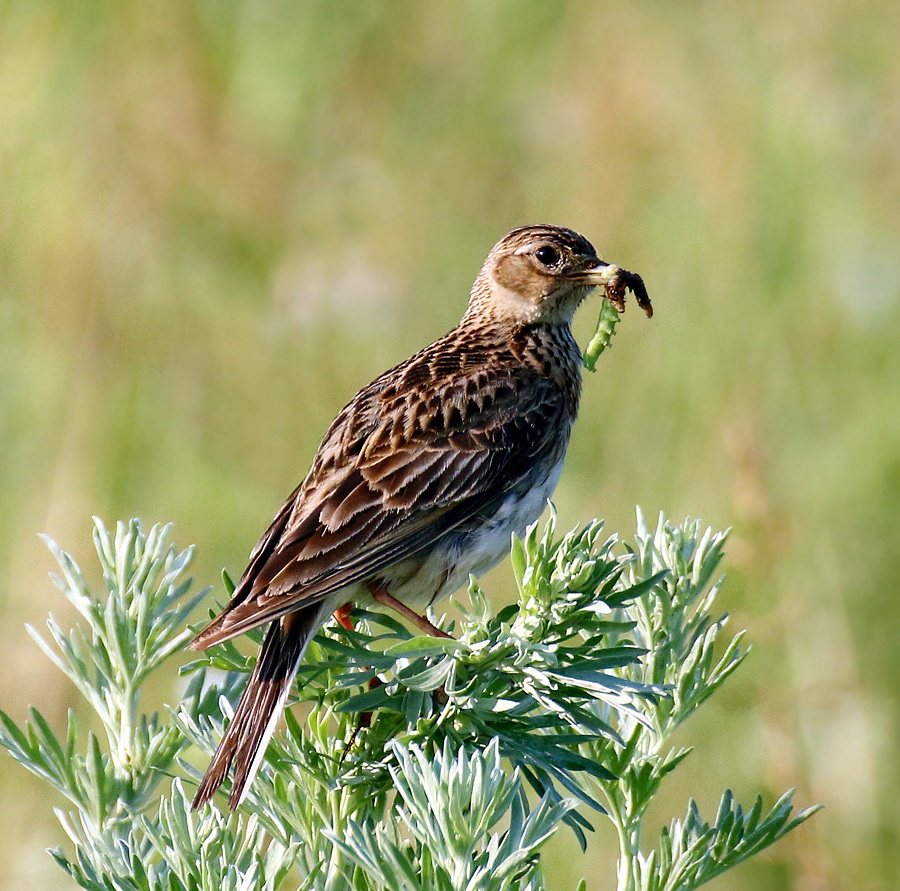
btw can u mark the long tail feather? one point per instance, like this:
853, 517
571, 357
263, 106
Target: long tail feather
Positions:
256, 716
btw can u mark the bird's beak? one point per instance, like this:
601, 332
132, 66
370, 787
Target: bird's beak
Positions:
601, 274
615, 280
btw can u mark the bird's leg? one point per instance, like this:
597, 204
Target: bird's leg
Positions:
379, 592
342, 614
380, 595
364, 721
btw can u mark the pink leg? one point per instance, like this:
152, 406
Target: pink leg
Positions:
342, 614
380, 594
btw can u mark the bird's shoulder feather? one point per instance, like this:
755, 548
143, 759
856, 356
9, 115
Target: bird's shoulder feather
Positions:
433, 443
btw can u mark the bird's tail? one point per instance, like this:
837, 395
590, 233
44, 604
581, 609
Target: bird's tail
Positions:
244, 742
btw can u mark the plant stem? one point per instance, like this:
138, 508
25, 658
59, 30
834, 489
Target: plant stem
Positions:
628, 831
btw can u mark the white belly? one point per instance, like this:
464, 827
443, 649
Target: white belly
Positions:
513, 517
448, 567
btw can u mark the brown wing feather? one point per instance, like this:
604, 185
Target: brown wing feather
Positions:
399, 468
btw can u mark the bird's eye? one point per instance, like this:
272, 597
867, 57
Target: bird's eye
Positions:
547, 255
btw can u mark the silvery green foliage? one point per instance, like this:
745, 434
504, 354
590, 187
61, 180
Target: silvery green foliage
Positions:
174, 850
421, 763
450, 802
128, 631
673, 621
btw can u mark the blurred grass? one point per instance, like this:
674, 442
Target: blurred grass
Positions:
218, 220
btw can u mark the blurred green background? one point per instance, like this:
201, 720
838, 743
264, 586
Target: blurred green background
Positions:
219, 219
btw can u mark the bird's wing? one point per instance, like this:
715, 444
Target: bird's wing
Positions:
399, 468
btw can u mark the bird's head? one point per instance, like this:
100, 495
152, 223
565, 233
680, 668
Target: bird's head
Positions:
537, 275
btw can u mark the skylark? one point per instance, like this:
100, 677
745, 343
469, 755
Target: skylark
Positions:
423, 476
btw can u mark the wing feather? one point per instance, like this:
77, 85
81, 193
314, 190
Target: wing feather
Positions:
396, 472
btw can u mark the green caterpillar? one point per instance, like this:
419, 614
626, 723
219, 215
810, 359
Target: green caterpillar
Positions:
612, 305
606, 327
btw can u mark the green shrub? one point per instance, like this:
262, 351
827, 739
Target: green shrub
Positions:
554, 711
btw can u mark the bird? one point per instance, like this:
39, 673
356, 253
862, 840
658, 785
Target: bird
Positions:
421, 480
